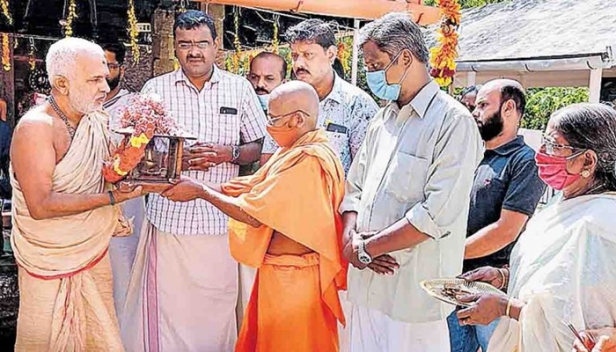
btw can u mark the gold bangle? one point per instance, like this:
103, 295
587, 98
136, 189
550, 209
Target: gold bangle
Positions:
503, 279
508, 310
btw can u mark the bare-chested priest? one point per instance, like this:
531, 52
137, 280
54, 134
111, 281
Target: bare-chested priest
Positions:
284, 222
63, 213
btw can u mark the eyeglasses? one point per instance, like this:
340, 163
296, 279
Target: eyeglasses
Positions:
188, 46
549, 147
113, 66
272, 119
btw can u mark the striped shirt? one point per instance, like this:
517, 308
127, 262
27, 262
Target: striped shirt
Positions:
227, 112
349, 107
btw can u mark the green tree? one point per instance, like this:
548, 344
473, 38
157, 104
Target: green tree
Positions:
542, 102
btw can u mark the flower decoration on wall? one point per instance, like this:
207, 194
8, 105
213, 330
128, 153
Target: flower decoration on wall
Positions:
442, 58
344, 54
132, 30
6, 52
4, 4
275, 42
72, 14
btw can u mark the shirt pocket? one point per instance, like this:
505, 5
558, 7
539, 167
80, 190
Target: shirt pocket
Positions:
226, 127
406, 178
338, 141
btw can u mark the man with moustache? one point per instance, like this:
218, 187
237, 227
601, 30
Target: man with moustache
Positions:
344, 110
505, 193
267, 71
63, 212
122, 250
183, 291
469, 97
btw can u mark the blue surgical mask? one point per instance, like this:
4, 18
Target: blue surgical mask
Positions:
264, 100
377, 82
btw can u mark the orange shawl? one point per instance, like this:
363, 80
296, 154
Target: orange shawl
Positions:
297, 193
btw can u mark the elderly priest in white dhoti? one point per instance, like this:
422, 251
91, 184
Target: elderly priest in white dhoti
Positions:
64, 215
563, 268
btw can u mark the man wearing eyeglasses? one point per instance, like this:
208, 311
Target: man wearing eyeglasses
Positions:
185, 288
506, 190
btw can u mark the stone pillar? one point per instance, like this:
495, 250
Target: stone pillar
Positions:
217, 12
162, 42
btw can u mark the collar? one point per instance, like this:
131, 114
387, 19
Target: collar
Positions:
509, 147
123, 92
336, 93
181, 77
419, 104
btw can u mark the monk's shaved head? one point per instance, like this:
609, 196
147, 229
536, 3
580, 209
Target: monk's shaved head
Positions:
294, 96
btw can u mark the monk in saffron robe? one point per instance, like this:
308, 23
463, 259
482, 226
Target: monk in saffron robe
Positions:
63, 213
285, 223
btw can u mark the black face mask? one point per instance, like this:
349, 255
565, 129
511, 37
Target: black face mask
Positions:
492, 127
113, 83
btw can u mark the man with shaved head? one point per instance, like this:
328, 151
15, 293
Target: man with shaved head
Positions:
285, 223
505, 193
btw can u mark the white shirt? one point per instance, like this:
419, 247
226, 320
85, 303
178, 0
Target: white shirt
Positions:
348, 106
417, 163
201, 114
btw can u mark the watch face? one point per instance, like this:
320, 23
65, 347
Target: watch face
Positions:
364, 259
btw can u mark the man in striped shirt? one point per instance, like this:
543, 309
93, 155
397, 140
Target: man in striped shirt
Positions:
184, 287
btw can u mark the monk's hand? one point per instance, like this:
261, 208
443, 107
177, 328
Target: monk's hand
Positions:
487, 274
484, 308
184, 190
203, 156
600, 340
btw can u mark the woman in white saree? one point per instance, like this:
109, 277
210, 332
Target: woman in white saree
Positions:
563, 268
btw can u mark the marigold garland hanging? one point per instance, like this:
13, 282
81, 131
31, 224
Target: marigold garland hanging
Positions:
442, 58
236, 59
72, 14
32, 55
132, 30
6, 52
5, 11
344, 54
275, 42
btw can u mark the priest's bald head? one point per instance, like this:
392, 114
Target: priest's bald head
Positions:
292, 112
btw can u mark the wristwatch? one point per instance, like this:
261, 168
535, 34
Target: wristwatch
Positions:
362, 255
235, 153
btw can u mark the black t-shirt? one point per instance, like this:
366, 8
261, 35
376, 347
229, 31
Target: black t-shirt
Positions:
507, 178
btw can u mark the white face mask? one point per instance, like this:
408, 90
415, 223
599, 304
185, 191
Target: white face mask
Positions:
264, 100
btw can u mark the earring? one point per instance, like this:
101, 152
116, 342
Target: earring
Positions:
585, 173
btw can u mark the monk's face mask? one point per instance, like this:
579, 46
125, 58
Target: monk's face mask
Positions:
286, 133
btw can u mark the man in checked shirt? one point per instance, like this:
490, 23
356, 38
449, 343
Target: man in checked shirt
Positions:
184, 286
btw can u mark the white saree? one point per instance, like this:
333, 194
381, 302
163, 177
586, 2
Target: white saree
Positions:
564, 268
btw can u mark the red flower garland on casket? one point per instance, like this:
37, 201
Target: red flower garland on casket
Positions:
145, 117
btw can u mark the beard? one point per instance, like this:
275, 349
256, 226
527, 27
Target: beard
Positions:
81, 102
492, 127
113, 82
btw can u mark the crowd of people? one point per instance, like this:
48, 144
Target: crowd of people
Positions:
342, 209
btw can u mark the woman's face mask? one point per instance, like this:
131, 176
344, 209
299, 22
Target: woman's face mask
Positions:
553, 168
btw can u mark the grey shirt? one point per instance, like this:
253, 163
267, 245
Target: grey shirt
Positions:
416, 163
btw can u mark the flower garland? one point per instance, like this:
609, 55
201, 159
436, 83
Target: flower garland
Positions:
132, 30
235, 59
275, 42
6, 52
442, 58
344, 55
5, 11
32, 55
72, 14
